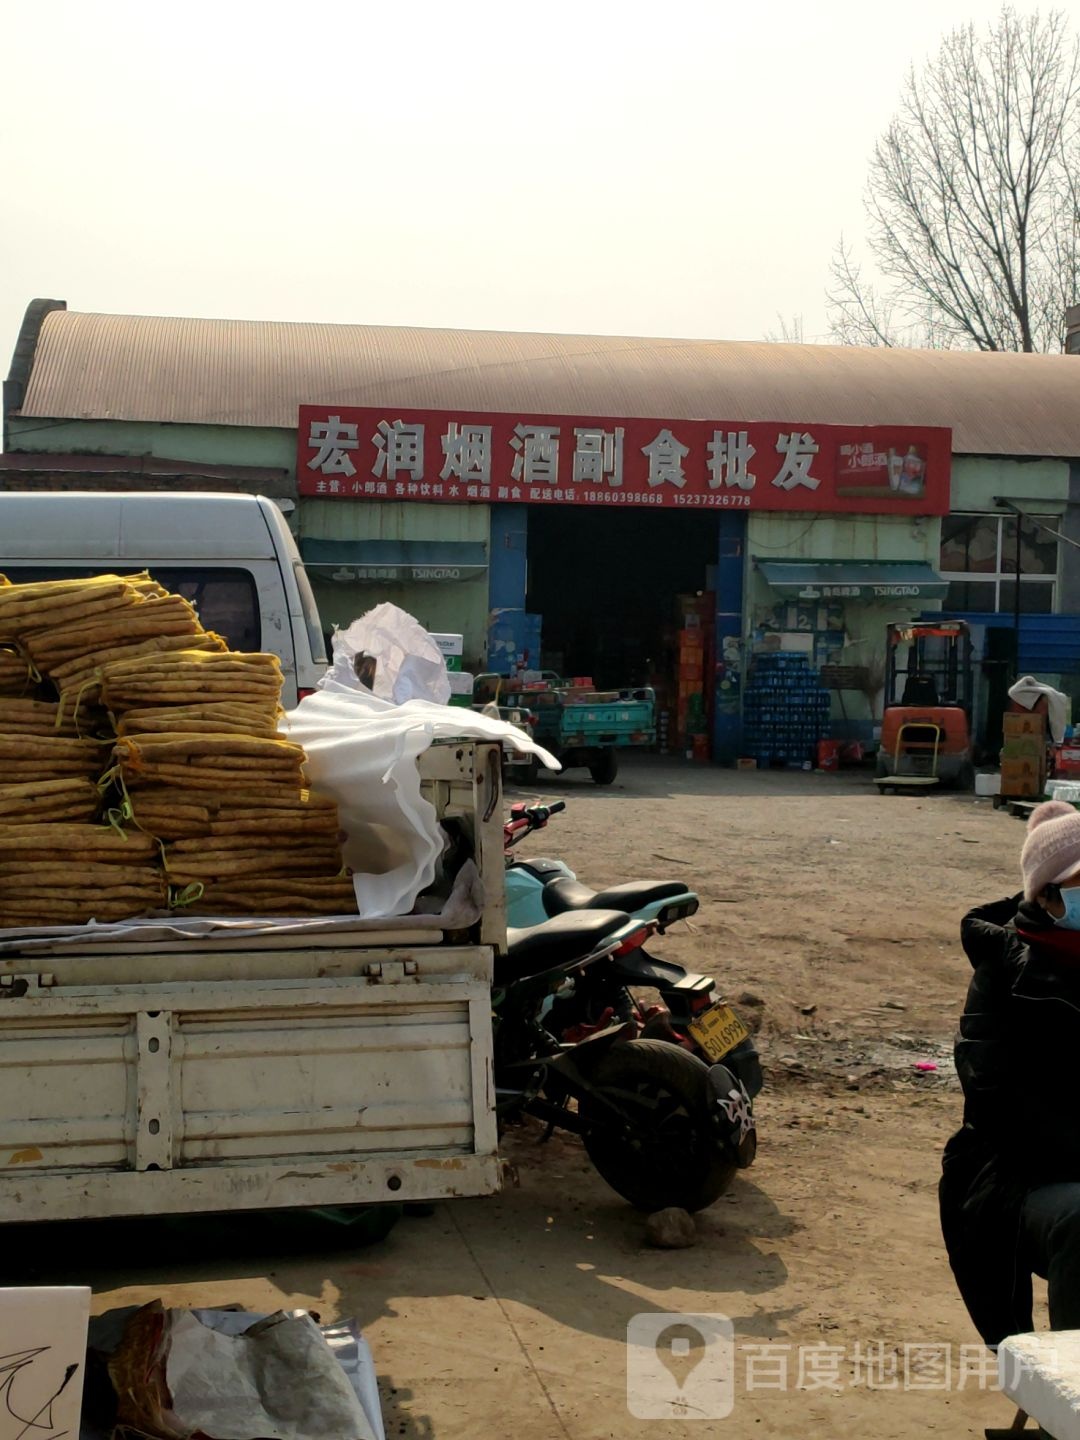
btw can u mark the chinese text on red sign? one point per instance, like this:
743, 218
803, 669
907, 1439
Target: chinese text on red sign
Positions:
454, 457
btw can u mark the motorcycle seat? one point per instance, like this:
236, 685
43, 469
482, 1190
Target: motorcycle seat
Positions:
564, 895
561, 941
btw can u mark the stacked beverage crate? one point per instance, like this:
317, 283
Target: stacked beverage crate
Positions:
785, 710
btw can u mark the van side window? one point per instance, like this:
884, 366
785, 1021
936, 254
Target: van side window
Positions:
227, 599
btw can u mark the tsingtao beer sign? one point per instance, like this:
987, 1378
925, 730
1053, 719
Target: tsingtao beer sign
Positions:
455, 457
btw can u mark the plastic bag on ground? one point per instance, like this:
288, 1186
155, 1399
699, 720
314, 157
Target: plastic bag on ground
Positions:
408, 663
362, 751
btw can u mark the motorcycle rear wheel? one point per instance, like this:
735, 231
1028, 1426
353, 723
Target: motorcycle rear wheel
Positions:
672, 1155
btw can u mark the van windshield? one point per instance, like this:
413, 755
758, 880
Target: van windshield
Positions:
226, 598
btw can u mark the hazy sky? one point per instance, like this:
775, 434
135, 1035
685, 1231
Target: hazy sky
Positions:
670, 169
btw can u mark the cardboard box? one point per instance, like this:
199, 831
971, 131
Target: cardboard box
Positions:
744, 763
702, 607
48, 1325
1041, 707
1026, 722
449, 644
1038, 761
1024, 747
1023, 778
1067, 761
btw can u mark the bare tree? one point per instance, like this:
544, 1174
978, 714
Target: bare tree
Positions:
789, 333
973, 198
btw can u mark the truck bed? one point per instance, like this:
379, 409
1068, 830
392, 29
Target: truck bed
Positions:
565, 720
274, 1071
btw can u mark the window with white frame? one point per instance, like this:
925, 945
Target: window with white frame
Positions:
978, 559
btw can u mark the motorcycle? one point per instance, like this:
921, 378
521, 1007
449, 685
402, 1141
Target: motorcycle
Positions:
661, 1126
691, 1013
537, 889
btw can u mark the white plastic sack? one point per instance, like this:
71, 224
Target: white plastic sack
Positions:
246, 1385
362, 751
409, 665
1028, 692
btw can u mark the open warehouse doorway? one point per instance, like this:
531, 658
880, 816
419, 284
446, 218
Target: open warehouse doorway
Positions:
606, 582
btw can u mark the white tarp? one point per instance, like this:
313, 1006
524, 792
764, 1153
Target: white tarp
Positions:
1028, 692
362, 752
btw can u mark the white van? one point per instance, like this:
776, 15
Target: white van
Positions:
232, 556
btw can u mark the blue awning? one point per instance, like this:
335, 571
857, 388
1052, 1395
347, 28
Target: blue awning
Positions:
866, 580
394, 560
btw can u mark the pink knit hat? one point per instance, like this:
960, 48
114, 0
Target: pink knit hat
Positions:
1051, 852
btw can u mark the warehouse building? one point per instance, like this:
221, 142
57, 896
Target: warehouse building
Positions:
574, 502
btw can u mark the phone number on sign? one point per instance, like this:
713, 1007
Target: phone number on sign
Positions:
622, 497
724, 500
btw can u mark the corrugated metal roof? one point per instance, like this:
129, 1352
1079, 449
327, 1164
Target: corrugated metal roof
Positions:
248, 372
1049, 644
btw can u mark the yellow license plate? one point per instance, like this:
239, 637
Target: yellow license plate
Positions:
718, 1031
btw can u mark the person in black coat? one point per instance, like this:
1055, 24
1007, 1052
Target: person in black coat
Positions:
1010, 1185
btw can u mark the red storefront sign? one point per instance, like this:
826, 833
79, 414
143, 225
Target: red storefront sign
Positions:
459, 457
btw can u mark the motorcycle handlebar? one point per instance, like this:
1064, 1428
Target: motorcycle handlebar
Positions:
525, 819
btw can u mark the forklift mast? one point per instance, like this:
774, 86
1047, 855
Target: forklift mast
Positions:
929, 663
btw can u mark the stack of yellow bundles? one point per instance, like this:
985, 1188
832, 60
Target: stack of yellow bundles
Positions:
205, 770
47, 773
57, 867
48, 800
16, 677
57, 874
24, 715
68, 629
222, 819
143, 691
260, 852
36, 745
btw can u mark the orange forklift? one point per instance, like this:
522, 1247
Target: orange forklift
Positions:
926, 728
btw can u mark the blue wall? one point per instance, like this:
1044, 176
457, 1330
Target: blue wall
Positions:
1049, 644
730, 563
508, 631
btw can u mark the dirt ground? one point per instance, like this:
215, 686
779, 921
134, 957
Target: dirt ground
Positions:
831, 914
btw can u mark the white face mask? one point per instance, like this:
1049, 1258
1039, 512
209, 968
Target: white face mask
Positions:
1071, 900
